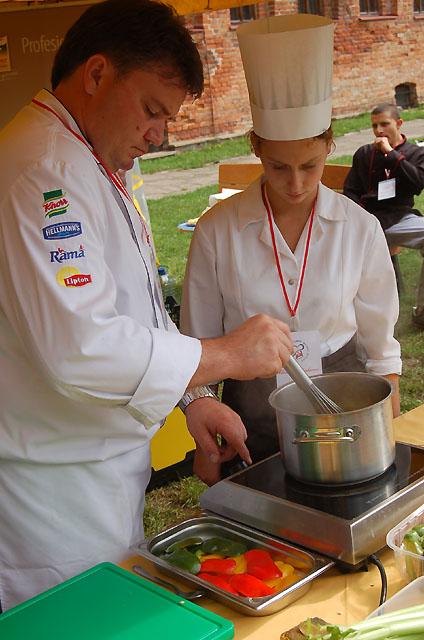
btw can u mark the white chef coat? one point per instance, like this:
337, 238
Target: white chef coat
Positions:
90, 363
349, 284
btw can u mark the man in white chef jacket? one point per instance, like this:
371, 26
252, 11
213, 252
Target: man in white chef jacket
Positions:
90, 362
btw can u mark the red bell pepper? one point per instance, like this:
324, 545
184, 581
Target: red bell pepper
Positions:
223, 566
218, 581
249, 586
261, 564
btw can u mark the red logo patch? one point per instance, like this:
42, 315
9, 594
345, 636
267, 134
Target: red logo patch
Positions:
78, 280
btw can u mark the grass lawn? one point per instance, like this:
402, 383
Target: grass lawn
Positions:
165, 215
180, 500
211, 152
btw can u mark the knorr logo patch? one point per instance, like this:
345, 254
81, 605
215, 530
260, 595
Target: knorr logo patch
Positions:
55, 203
71, 277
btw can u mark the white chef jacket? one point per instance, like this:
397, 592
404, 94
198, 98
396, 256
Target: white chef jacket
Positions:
90, 362
349, 284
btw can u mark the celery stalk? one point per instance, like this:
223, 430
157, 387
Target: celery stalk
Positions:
405, 624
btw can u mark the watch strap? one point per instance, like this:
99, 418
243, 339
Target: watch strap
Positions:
195, 394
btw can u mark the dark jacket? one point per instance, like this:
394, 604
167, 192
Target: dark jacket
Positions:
405, 163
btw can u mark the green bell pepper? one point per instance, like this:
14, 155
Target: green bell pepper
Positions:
190, 543
223, 547
183, 559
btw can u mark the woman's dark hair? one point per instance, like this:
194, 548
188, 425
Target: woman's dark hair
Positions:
134, 34
327, 135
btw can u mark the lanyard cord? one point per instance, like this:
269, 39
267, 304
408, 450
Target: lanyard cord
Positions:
114, 179
387, 171
271, 223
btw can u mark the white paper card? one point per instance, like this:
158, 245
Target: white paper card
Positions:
386, 189
307, 351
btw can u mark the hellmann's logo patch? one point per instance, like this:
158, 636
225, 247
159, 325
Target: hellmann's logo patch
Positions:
71, 277
62, 230
60, 255
55, 203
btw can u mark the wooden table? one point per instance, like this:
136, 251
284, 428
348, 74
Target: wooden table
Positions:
339, 598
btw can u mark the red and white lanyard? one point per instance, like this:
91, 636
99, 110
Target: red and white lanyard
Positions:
115, 180
271, 222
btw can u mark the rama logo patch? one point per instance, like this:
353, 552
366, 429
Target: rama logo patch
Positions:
55, 203
71, 277
60, 255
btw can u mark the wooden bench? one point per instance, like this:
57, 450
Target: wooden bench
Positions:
240, 175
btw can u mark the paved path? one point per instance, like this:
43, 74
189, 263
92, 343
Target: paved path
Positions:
167, 183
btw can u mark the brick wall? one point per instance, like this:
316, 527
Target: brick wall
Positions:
224, 106
374, 55
371, 56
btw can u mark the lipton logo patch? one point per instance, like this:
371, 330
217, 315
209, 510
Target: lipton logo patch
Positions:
63, 230
71, 277
55, 203
60, 255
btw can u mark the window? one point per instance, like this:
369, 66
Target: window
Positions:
243, 14
369, 7
418, 6
193, 21
310, 6
406, 95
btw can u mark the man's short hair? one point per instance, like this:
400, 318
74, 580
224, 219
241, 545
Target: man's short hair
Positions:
386, 107
134, 34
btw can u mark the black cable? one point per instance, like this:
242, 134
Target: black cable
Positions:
383, 594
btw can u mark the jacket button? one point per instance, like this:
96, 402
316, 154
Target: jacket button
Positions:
291, 281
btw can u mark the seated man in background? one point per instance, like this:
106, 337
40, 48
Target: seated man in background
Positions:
384, 178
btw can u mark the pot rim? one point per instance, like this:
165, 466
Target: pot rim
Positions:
344, 374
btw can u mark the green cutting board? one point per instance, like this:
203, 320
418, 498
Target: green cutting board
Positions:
108, 602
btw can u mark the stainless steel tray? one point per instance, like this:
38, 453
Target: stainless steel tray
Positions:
206, 526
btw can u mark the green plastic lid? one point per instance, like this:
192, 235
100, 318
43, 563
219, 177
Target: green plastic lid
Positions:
108, 602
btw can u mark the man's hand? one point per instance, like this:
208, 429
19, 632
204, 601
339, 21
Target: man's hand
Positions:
382, 144
206, 419
258, 348
209, 472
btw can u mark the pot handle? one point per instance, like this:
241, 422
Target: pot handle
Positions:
342, 434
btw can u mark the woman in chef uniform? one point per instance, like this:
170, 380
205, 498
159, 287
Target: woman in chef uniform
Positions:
287, 245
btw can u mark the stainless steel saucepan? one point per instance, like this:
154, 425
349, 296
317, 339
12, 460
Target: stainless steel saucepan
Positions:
349, 447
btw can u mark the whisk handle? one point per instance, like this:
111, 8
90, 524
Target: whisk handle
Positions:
298, 375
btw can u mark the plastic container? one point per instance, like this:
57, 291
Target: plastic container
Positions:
410, 565
169, 293
410, 596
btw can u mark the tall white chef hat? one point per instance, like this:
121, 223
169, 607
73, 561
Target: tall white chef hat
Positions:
288, 64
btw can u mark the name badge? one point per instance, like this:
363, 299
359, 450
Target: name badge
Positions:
307, 351
386, 189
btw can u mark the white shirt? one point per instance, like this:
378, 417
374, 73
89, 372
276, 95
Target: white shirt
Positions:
94, 363
90, 363
349, 285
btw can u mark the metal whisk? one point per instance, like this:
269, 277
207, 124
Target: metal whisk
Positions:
318, 399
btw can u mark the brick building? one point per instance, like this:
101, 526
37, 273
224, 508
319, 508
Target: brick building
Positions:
379, 56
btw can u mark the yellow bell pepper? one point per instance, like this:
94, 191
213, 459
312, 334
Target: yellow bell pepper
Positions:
241, 563
285, 568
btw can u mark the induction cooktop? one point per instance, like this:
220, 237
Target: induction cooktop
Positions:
347, 522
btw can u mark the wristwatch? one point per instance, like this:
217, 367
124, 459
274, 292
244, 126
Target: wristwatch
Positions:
195, 394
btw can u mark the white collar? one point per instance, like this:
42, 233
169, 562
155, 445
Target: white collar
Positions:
46, 97
251, 209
